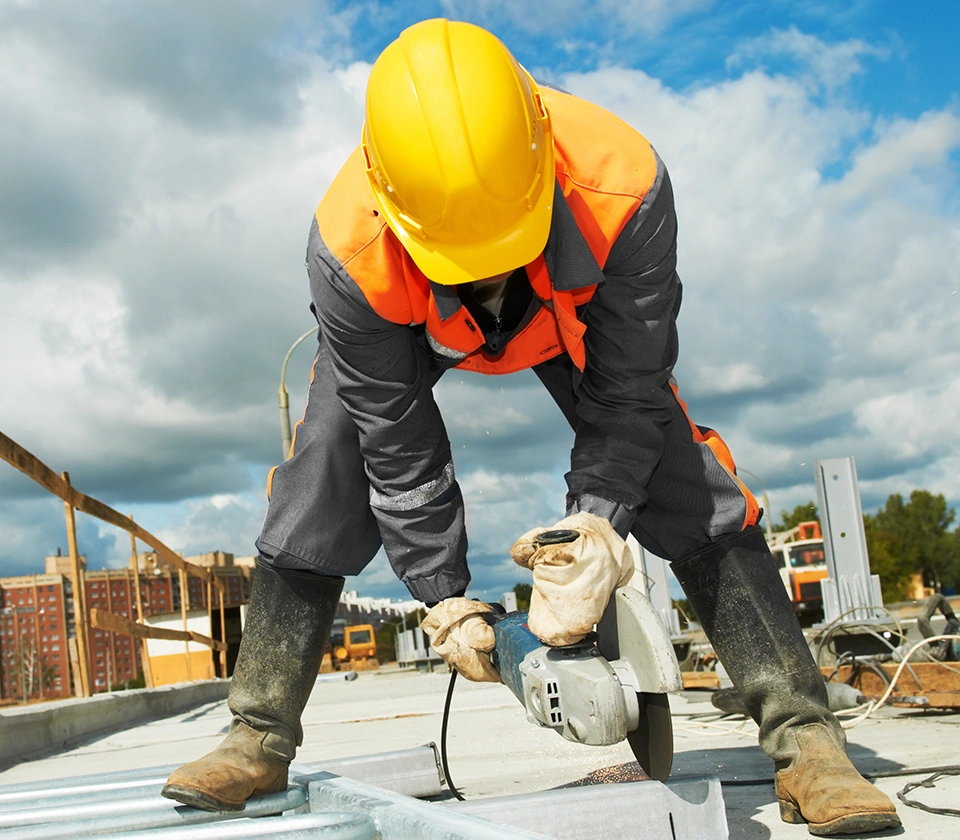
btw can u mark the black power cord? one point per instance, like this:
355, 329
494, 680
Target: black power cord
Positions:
443, 736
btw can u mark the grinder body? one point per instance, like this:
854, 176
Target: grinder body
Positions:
610, 687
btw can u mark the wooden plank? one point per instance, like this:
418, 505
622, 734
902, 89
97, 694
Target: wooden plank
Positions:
933, 676
79, 595
120, 624
936, 680
700, 679
33, 467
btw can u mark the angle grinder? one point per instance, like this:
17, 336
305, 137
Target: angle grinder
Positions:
609, 687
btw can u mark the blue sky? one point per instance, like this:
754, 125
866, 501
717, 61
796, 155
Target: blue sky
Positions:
159, 164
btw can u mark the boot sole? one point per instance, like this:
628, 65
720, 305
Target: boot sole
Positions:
857, 824
198, 799
850, 824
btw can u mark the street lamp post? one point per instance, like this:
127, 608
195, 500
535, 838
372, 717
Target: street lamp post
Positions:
765, 500
283, 397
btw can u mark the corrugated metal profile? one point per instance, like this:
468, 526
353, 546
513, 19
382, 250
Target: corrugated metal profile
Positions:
128, 805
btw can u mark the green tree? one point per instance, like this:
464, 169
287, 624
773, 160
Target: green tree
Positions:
908, 537
801, 513
523, 591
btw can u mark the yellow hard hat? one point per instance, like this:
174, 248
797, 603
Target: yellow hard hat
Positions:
459, 152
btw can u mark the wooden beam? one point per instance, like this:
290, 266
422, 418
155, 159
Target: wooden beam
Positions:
144, 654
120, 624
700, 679
79, 594
33, 467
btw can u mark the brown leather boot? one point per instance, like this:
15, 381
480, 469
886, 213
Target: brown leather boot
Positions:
823, 789
288, 625
224, 779
737, 593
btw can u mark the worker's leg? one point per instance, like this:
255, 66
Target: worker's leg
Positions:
701, 517
286, 631
704, 520
319, 516
318, 529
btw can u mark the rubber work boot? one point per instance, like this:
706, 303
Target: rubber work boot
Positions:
736, 591
288, 624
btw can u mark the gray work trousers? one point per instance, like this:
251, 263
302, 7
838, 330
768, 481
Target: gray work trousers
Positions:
319, 517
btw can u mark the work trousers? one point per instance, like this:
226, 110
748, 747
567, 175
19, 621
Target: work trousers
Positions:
319, 516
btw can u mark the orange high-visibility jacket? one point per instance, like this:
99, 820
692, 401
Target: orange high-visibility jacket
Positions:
606, 295
602, 192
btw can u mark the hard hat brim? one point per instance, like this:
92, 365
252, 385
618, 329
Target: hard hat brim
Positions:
452, 264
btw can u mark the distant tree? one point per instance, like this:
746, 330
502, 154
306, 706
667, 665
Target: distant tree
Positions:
523, 591
908, 537
801, 513
387, 643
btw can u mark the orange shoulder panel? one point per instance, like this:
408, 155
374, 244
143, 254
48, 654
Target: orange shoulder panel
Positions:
604, 167
358, 237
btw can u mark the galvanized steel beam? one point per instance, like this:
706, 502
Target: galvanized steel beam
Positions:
400, 818
680, 809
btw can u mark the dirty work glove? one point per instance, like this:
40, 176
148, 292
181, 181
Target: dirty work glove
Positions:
572, 582
461, 636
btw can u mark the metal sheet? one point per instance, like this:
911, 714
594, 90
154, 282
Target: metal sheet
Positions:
680, 809
401, 818
328, 826
414, 772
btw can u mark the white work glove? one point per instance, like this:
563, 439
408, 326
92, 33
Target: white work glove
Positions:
572, 582
461, 636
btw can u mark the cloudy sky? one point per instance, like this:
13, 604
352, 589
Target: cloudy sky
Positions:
160, 163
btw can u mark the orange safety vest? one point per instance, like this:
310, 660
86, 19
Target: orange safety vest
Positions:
604, 168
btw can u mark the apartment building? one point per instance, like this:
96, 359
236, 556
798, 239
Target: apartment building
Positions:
37, 625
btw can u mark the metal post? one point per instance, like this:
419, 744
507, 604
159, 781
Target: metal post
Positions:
656, 586
79, 596
283, 397
850, 591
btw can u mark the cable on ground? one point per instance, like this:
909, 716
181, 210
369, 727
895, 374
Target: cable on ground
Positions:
443, 736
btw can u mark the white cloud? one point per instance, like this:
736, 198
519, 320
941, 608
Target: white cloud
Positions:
811, 305
831, 65
215, 524
151, 290
729, 378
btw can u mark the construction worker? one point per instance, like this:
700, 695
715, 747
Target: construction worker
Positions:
489, 224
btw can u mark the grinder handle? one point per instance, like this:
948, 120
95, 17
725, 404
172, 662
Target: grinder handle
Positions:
558, 537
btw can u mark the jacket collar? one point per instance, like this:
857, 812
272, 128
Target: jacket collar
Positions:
569, 260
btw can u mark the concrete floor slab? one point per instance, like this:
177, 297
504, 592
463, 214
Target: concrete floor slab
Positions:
493, 751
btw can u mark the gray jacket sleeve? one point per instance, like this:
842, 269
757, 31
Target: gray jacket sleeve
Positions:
624, 396
385, 383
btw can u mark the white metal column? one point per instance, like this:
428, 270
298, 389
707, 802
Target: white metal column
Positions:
850, 592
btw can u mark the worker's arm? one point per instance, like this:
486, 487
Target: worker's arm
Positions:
384, 384
624, 397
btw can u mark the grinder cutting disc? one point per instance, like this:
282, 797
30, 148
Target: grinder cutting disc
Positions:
652, 740
631, 628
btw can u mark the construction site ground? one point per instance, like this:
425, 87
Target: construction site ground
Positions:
494, 751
